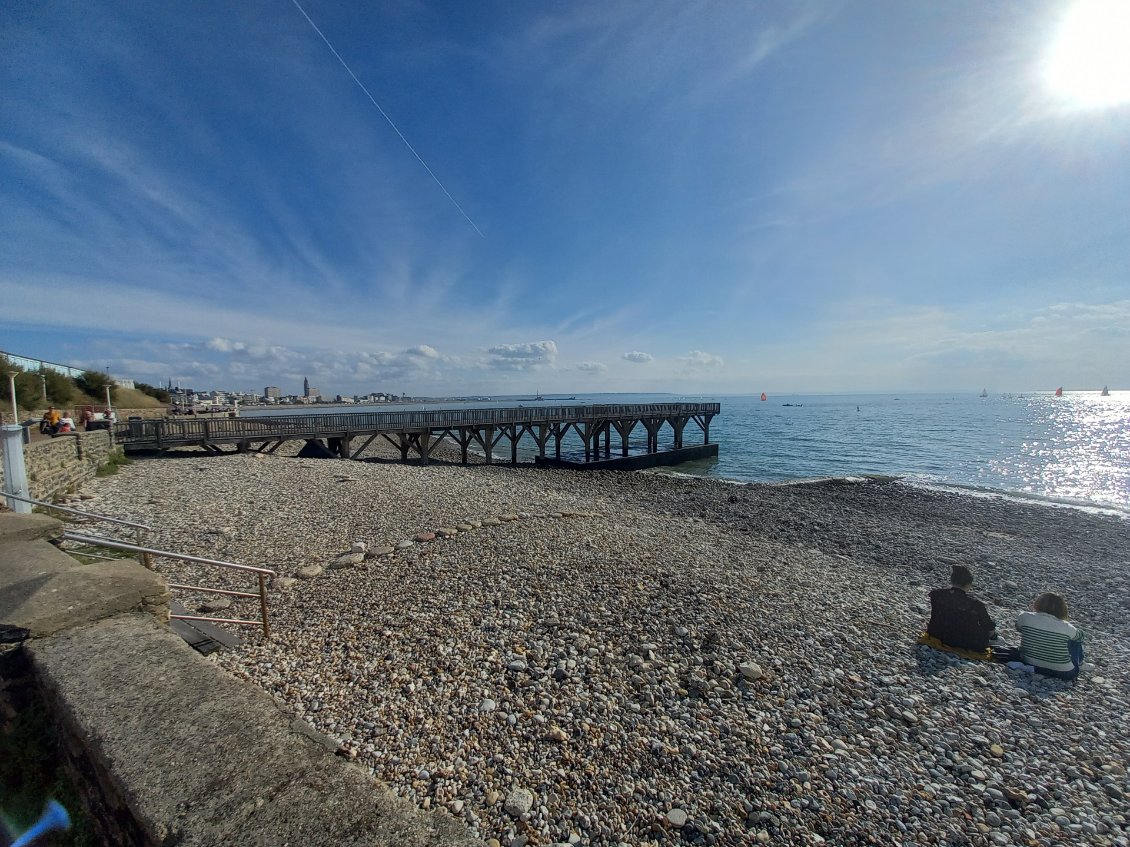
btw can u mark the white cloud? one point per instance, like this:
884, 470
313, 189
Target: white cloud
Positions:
638, 357
529, 355
592, 367
258, 350
423, 351
699, 359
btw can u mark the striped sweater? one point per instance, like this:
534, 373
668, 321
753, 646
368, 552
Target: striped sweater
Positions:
1044, 639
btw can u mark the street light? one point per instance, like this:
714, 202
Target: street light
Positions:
12, 392
43, 379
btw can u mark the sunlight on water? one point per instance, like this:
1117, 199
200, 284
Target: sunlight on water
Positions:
1083, 452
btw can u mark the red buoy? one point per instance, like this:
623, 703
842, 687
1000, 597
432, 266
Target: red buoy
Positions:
763, 397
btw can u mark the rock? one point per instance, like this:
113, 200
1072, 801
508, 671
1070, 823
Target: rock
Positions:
487, 705
751, 671
348, 560
376, 552
516, 666
283, 583
519, 802
996, 750
358, 547
447, 532
216, 604
491, 521
558, 734
456, 806
309, 572
425, 536
508, 517
492, 797
403, 545
677, 818
464, 527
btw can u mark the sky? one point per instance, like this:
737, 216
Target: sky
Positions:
453, 198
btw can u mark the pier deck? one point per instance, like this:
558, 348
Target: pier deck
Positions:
419, 431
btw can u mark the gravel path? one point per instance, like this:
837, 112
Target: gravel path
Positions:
646, 659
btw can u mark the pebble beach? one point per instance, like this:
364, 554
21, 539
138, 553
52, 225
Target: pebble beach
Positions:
646, 659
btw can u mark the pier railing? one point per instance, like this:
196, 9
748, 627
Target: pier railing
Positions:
168, 432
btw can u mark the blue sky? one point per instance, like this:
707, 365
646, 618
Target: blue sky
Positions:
666, 196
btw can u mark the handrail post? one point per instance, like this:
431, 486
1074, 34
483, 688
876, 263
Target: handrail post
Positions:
142, 555
263, 605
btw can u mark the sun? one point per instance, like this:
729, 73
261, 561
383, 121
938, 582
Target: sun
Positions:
1089, 63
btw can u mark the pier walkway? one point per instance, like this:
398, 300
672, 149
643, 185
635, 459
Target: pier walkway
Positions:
419, 431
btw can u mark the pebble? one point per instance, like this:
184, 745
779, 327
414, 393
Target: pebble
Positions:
518, 802
596, 662
677, 817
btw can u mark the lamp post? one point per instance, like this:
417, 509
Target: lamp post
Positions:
43, 380
109, 407
12, 393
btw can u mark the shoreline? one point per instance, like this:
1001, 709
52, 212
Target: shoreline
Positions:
591, 650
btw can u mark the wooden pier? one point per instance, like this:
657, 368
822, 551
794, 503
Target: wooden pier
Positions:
419, 432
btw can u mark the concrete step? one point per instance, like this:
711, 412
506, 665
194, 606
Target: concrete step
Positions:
201, 636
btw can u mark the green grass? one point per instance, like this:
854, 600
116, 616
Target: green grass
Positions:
112, 465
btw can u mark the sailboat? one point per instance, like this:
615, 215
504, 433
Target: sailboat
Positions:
1059, 391
1105, 392
984, 393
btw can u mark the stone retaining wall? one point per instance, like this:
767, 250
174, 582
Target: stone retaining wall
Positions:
65, 462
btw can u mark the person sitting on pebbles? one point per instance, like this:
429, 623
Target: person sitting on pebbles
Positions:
959, 622
1048, 642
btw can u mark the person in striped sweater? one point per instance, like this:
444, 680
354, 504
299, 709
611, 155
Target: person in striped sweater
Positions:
1048, 642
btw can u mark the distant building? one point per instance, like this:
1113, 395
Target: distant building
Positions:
309, 393
271, 392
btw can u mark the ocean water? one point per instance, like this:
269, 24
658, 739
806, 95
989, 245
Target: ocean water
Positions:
1073, 450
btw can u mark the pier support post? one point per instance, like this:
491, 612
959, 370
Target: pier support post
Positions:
625, 429
678, 424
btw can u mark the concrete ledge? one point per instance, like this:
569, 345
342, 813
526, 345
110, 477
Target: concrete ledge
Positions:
45, 590
196, 757
16, 527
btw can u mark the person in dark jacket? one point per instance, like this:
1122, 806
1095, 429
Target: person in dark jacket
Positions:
958, 619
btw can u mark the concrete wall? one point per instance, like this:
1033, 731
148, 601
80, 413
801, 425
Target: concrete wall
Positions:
64, 463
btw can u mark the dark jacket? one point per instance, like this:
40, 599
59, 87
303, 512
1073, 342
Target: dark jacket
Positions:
959, 620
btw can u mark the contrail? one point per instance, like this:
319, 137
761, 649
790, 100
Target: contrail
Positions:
373, 100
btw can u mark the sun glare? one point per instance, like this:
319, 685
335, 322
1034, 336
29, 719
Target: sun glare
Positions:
1090, 59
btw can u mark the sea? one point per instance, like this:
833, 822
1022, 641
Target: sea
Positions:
1072, 450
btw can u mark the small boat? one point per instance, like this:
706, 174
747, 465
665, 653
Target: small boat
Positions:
1105, 392
1059, 391
984, 393
763, 397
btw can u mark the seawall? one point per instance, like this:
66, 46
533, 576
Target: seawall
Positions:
62, 464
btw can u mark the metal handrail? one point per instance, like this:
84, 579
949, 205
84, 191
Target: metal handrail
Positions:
75, 511
261, 573
139, 528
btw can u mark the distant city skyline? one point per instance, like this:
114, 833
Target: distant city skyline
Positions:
815, 196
